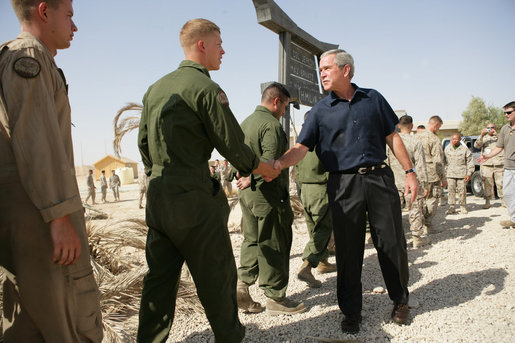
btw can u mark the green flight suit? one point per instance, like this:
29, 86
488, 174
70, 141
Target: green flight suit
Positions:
266, 211
185, 115
312, 178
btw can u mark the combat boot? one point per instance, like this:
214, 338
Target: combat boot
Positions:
451, 210
420, 241
325, 267
463, 210
284, 306
487, 204
507, 223
304, 274
244, 299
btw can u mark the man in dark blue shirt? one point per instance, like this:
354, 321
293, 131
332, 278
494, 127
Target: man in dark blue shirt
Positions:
349, 130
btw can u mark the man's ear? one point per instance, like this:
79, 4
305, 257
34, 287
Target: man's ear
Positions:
201, 46
41, 11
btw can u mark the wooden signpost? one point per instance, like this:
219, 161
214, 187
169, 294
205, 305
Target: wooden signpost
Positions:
299, 53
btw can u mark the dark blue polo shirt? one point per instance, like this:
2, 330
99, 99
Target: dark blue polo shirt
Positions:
349, 134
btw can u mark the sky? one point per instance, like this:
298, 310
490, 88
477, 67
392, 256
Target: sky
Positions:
425, 57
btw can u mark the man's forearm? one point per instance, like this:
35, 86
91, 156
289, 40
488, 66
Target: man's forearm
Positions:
292, 156
395, 143
494, 152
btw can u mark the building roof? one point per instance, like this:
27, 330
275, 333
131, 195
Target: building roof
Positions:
120, 159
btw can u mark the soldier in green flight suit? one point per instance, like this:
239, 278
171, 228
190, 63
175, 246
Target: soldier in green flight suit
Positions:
185, 116
266, 211
312, 178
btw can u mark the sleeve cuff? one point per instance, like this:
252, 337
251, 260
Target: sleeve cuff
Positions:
60, 210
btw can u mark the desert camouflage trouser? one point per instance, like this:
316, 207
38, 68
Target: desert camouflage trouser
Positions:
488, 175
431, 201
416, 218
456, 186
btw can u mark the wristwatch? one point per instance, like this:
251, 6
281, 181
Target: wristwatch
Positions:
411, 170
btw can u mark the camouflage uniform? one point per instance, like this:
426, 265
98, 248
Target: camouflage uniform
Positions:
143, 187
91, 189
459, 164
435, 171
493, 168
226, 176
417, 158
103, 187
114, 184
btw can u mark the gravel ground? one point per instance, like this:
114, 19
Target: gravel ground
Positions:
463, 282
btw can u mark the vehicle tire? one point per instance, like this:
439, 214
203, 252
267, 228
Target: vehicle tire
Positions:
476, 184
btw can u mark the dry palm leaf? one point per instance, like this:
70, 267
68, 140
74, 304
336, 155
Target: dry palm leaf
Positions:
123, 125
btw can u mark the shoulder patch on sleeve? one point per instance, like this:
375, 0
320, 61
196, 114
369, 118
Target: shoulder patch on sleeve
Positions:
27, 67
222, 98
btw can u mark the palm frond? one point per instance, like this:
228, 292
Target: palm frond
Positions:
123, 125
118, 258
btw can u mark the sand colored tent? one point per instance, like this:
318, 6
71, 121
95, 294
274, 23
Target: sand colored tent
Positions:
110, 162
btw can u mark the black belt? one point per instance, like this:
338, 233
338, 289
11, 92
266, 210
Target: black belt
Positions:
363, 170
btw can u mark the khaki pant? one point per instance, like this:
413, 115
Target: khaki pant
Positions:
416, 218
91, 194
431, 202
227, 186
456, 186
104, 193
488, 175
43, 302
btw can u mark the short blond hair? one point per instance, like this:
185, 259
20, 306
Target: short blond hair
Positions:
24, 8
435, 119
196, 29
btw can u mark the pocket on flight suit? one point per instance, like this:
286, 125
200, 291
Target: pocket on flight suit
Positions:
86, 295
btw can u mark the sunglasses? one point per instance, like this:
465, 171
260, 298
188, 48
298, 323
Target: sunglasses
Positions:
508, 112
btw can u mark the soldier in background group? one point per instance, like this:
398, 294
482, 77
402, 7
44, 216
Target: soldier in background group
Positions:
435, 168
114, 184
459, 168
492, 169
226, 176
91, 187
103, 185
417, 158
143, 186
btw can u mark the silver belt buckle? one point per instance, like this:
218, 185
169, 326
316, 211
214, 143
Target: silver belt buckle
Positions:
362, 170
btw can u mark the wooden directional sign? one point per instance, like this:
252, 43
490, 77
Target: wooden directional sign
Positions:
298, 53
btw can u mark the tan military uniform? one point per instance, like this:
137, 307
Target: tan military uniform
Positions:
103, 187
143, 187
114, 184
435, 172
91, 189
493, 168
417, 158
225, 172
43, 301
459, 164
